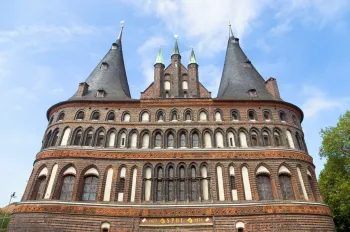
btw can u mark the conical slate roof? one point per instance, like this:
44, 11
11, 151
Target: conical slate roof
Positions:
240, 80
109, 76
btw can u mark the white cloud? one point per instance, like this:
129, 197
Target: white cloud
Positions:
210, 76
317, 101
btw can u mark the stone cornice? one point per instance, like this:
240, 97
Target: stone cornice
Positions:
173, 212
178, 154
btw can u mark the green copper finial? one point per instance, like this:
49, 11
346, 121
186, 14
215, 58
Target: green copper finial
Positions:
159, 59
176, 47
192, 58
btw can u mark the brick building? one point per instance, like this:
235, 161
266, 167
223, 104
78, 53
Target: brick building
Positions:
176, 159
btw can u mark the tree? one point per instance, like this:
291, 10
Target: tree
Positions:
334, 179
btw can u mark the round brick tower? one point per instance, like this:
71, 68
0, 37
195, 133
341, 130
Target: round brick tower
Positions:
176, 159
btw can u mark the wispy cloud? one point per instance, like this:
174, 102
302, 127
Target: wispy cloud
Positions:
317, 101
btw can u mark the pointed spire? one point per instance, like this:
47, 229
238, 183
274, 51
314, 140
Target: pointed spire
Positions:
192, 58
121, 30
159, 59
230, 30
176, 47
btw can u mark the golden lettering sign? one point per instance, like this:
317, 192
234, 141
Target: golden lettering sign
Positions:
176, 221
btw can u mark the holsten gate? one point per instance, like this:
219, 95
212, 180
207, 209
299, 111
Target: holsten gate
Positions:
177, 159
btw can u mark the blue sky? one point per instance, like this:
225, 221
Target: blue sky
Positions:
48, 47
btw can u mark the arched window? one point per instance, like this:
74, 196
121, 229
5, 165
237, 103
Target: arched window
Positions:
218, 116
240, 226
54, 138
299, 141
77, 137
246, 184
277, 138
148, 183
267, 115
67, 188
264, 186
283, 116
61, 117
174, 116
219, 139
121, 184
182, 190
51, 120
286, 186
145, 141
133, 185
100, 139
90, 188
133, 140
205, 183
65, 137
254, 139
183, 140
126, 117
95, 116
166, 85
231, 139
166, 94
290, 140
88, 138
220, 181
195, 140
243, 139
40, 188
188, 116
203, 116
111, 139
145, 117
233, 184
184, 85
234, 115
207, 140
105, 227
159, 182
111, 116
122, 141
160, 116
170, 140
80, 115
266, 139
193, 184
312, 185
108, 185
171, 196
158, 141
251, 115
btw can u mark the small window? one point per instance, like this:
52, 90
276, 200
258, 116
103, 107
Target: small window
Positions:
251, 115
61, 117
188, 116
174, 116
126, 117
184, 85
277, 138
170, 141
267, 115
195, 140
185, 94
266, 140
95, 116
218, 117
234, 115
80, 115
100, 139
252, 93
283, 116
88, 138
182, 140
145, 117
77, 137
166, 85
203, 116
254, 139
111, 116
166, 94
158, 141
160, 117
104, 65
100, 93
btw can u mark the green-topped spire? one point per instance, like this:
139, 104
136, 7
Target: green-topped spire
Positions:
176, 50
159, 59
192, 58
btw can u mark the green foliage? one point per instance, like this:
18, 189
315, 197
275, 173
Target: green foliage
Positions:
334, 179
6, 221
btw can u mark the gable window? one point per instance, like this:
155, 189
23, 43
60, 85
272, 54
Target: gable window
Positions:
166, 85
